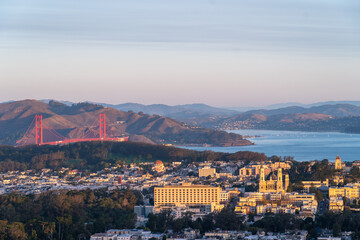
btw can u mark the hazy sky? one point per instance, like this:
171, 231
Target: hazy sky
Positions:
219, 52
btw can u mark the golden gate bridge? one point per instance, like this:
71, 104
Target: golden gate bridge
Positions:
36, 130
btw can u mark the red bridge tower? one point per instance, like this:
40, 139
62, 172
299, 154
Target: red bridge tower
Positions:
38, 129
102, 122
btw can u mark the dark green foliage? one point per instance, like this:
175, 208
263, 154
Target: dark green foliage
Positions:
225, 220
353, 176
228, 220
251, 188
346, 221
13, 230
304, 171
318, 194
247, 156
338, 222
161, 222
336, 230
279, 223
65, 214
97, 155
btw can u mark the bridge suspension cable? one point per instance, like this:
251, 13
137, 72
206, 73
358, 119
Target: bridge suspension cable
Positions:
40, 127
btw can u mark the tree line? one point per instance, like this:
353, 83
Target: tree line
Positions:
277, 223
97, 155
66, 214
226, 219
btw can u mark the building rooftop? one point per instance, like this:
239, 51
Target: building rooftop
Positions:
188, 185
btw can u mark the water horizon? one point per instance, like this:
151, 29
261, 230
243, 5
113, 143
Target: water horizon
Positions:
303, 146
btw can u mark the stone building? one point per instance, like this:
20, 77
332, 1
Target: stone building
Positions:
271, 185
338, 164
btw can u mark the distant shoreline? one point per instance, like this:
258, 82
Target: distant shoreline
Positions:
284, 130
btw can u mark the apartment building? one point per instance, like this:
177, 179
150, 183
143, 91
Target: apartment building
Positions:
315, 184
225, 195
336, 204
253, 170
207, 171
350, 192
304, 198
186, 194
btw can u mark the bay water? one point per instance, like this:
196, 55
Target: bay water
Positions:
303, 146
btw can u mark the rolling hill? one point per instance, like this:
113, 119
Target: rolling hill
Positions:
72, 121
341, 116
336, 110
194, 114
315, 122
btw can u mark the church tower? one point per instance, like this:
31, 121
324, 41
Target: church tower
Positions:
279, 183
338, 164
287, 182
262, 183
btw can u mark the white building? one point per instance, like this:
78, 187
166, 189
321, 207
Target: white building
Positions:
103, 236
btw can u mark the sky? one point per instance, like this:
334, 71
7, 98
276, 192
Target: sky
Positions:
218, 52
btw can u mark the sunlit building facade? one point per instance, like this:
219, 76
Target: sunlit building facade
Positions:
273, 186
186, 194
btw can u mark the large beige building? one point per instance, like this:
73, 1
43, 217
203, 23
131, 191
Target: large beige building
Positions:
316, 184
350, 192
186, 194
304, 198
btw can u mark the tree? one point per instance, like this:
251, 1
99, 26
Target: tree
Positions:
64, 214
16, 231
3, 229
336, 230
34, 235
228, 220
177, 225
318, 194
313, 233
355, 172
253, 230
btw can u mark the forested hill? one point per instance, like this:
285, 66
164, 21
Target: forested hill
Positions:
73, 121
97, 155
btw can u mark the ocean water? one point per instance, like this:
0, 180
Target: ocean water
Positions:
303, 146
